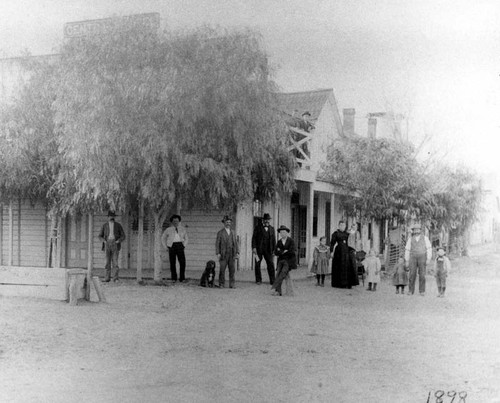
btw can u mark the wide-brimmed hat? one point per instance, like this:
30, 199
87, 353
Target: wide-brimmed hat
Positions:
283, 228
111, 213
226, 217
266, 216
175, 216
416, 226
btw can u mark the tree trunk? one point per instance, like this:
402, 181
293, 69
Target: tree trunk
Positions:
158, 277
159, 217
140, 240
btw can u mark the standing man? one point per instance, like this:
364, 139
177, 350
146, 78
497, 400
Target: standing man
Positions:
418, 253
287, 259
112, 236
227, 250
263, 243
175, 239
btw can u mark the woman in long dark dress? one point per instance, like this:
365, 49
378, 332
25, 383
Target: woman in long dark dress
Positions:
343, 273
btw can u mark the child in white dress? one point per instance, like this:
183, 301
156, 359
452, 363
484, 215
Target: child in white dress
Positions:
372, 267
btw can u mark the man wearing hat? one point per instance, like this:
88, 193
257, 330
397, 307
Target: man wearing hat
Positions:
175, 239
112, 236
418, 253
287, 259
227, 250
306, 124
263, 243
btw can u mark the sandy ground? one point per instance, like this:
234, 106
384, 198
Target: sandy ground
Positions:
184, 343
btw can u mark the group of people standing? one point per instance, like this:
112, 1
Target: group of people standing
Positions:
344, 264
342, 252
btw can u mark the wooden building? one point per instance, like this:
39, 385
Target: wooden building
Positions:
312, 211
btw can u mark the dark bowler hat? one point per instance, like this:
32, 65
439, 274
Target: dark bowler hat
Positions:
266, 217
226, 217
283, 228
111, 213
175, 216
306, 113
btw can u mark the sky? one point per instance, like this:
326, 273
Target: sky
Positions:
435, 61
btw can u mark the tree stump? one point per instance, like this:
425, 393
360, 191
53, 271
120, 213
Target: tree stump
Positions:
76, 285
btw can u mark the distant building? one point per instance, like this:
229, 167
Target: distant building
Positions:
487, 229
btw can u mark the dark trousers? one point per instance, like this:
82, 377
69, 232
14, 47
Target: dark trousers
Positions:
282, 271
268, 257
177, 251
227, 262
111, 260
417, 265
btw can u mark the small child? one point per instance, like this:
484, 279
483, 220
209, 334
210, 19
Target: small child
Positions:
321, 261
372, 267
441, 267
400, 277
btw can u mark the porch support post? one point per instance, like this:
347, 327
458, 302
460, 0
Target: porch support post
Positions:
333, 219
90, 254
309, 227
386, 244
1, 233
11, 234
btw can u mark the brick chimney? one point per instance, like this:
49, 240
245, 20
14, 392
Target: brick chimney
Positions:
372, 127
348, 126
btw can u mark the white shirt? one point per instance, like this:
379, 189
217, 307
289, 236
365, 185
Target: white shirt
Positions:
111, 230
177, 237
228, 231
428, 247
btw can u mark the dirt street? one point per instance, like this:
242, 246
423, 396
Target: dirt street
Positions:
184, 343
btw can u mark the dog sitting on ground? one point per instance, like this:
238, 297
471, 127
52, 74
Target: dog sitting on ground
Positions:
208, 276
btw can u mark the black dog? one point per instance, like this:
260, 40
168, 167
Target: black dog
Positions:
208, 276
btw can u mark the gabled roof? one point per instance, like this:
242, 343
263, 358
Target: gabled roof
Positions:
296, 103
300, 102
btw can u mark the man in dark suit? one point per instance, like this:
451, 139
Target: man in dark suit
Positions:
227, 250
112, 236
287, 259
263, 243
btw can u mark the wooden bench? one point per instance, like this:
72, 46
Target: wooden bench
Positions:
42, 282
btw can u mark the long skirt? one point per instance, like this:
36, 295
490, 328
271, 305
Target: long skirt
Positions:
344, 267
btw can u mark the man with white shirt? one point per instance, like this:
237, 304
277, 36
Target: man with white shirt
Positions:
175, 239
227, 250
112, 236
418, 253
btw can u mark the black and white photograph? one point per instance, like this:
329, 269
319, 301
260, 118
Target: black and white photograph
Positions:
249, 201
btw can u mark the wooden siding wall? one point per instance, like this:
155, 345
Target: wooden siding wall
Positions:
202, 227
284, 212
30, 235
324, 134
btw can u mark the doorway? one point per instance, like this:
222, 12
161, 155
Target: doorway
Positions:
76, 241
